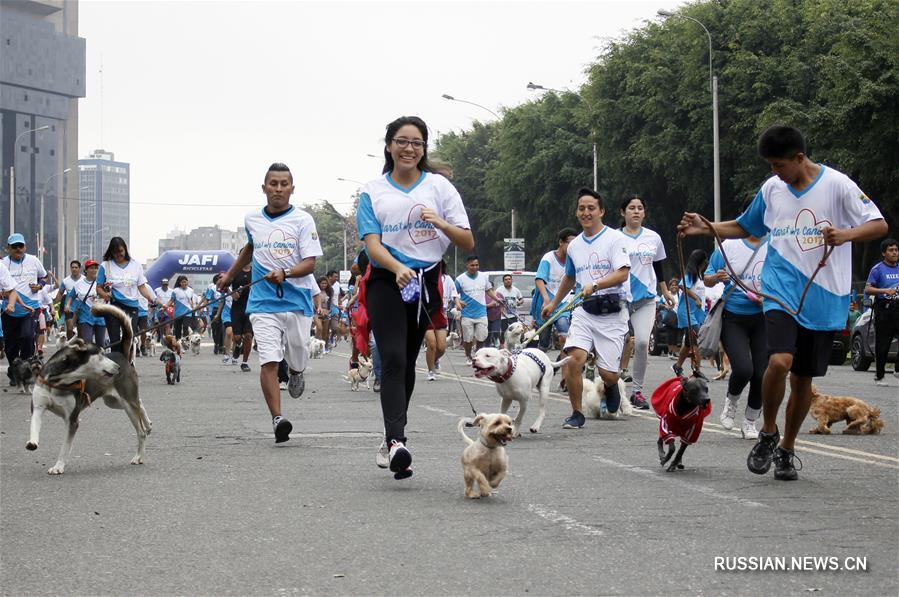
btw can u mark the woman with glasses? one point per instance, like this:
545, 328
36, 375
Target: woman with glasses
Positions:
119, 282
407, 219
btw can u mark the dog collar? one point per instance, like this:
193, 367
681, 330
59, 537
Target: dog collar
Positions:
481, 439
505, 376
73, 387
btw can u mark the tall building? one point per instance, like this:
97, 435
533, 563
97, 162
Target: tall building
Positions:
42, 75
104, 192
210, 238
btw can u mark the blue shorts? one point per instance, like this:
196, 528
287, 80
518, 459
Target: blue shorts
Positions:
562, 324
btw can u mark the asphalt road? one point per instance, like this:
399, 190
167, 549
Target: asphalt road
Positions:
218, 508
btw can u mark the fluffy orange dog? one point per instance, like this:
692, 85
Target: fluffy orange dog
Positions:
827, 410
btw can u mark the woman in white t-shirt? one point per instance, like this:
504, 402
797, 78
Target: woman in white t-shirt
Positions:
407, 218
120, 280
184, 301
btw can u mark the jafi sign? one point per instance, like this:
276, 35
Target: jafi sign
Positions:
513, 254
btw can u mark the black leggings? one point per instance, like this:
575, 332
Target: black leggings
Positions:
886, 325
183, 326
19, 335
744, 340
399, 332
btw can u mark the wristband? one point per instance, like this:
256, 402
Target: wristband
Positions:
285, 272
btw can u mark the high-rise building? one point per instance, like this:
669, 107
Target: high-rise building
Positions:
104, 196
210, 238
42, 75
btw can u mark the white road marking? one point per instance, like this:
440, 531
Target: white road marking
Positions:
689, 485
569, 523
434, 409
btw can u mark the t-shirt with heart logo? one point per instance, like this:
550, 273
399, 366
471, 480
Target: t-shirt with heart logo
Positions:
739, 252
592, 259
793, 220
394, 212
281, 242
645, 248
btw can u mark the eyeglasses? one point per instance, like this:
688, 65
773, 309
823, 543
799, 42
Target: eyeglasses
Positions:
18, 246
402, 143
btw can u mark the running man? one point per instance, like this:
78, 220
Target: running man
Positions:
473, 287
549, 276
599, 261
282, 244
883, 285
803, 207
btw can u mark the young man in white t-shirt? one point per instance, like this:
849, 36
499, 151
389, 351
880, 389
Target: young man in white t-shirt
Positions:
512, 298
599, 261
803, 207
282, 244
473, 287
65, 288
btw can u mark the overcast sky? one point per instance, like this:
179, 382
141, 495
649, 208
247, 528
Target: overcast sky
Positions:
200, 97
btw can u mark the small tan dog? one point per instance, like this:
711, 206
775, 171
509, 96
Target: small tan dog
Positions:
484, 462
827, 410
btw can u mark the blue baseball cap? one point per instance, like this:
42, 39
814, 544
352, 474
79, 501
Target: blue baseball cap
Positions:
15, 237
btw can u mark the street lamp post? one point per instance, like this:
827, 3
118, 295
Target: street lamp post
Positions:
360, 183
96, 232
535, 87
713, 87
12, 176
455, 99
43, 242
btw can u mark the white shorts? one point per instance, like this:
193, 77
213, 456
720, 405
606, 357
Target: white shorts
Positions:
605, 333
282, 336
474, 328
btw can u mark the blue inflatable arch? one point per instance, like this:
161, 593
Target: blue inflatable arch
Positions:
201, 265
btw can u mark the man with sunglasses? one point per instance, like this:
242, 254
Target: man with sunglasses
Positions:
18, 326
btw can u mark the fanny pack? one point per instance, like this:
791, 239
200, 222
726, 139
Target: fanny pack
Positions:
602, 304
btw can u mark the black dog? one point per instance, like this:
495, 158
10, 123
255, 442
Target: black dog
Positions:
23, 374
172, 366
682, 404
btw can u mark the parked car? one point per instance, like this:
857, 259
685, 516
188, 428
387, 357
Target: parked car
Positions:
523, 281
840, 347
862, 343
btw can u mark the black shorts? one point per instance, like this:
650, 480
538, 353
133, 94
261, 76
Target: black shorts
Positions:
240, 323
810, 348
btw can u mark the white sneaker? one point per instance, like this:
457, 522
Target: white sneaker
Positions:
437, 365
282, 386
748, 429
400, 460
227, 361
382, 458
468, 362
431, 376
728, 413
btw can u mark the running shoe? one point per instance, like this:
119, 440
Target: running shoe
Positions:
728, 412
679, 371
748, 430
575, 421
400, 460
639, 402
376, 386
784, 469
296, 384
282, 429
762, 453
431, 376
282, 386
626, 376
382, 458
244, 367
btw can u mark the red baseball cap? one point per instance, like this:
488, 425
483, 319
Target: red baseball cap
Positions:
90, 263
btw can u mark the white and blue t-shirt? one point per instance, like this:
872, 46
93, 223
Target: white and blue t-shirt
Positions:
125, 281
212, 295
83, 295
592, 259
550, 270
6, 281
184, 300
25, 273
163, 296
68, 283
697, 314
739, 253
884, 276
794, 220
226, 310
646, 248
394, 212
473, 292
279, 242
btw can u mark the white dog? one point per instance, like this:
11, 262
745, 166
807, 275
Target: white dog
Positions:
514, 335
195, 340
594, 393
454, 341
515, 376
316, 347
359, 374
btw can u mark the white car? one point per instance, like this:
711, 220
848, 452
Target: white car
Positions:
523, 281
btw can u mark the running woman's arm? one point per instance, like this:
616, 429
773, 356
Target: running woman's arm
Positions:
378, 253
461, 237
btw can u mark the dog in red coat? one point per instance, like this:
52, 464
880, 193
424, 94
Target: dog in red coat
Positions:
682, 404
